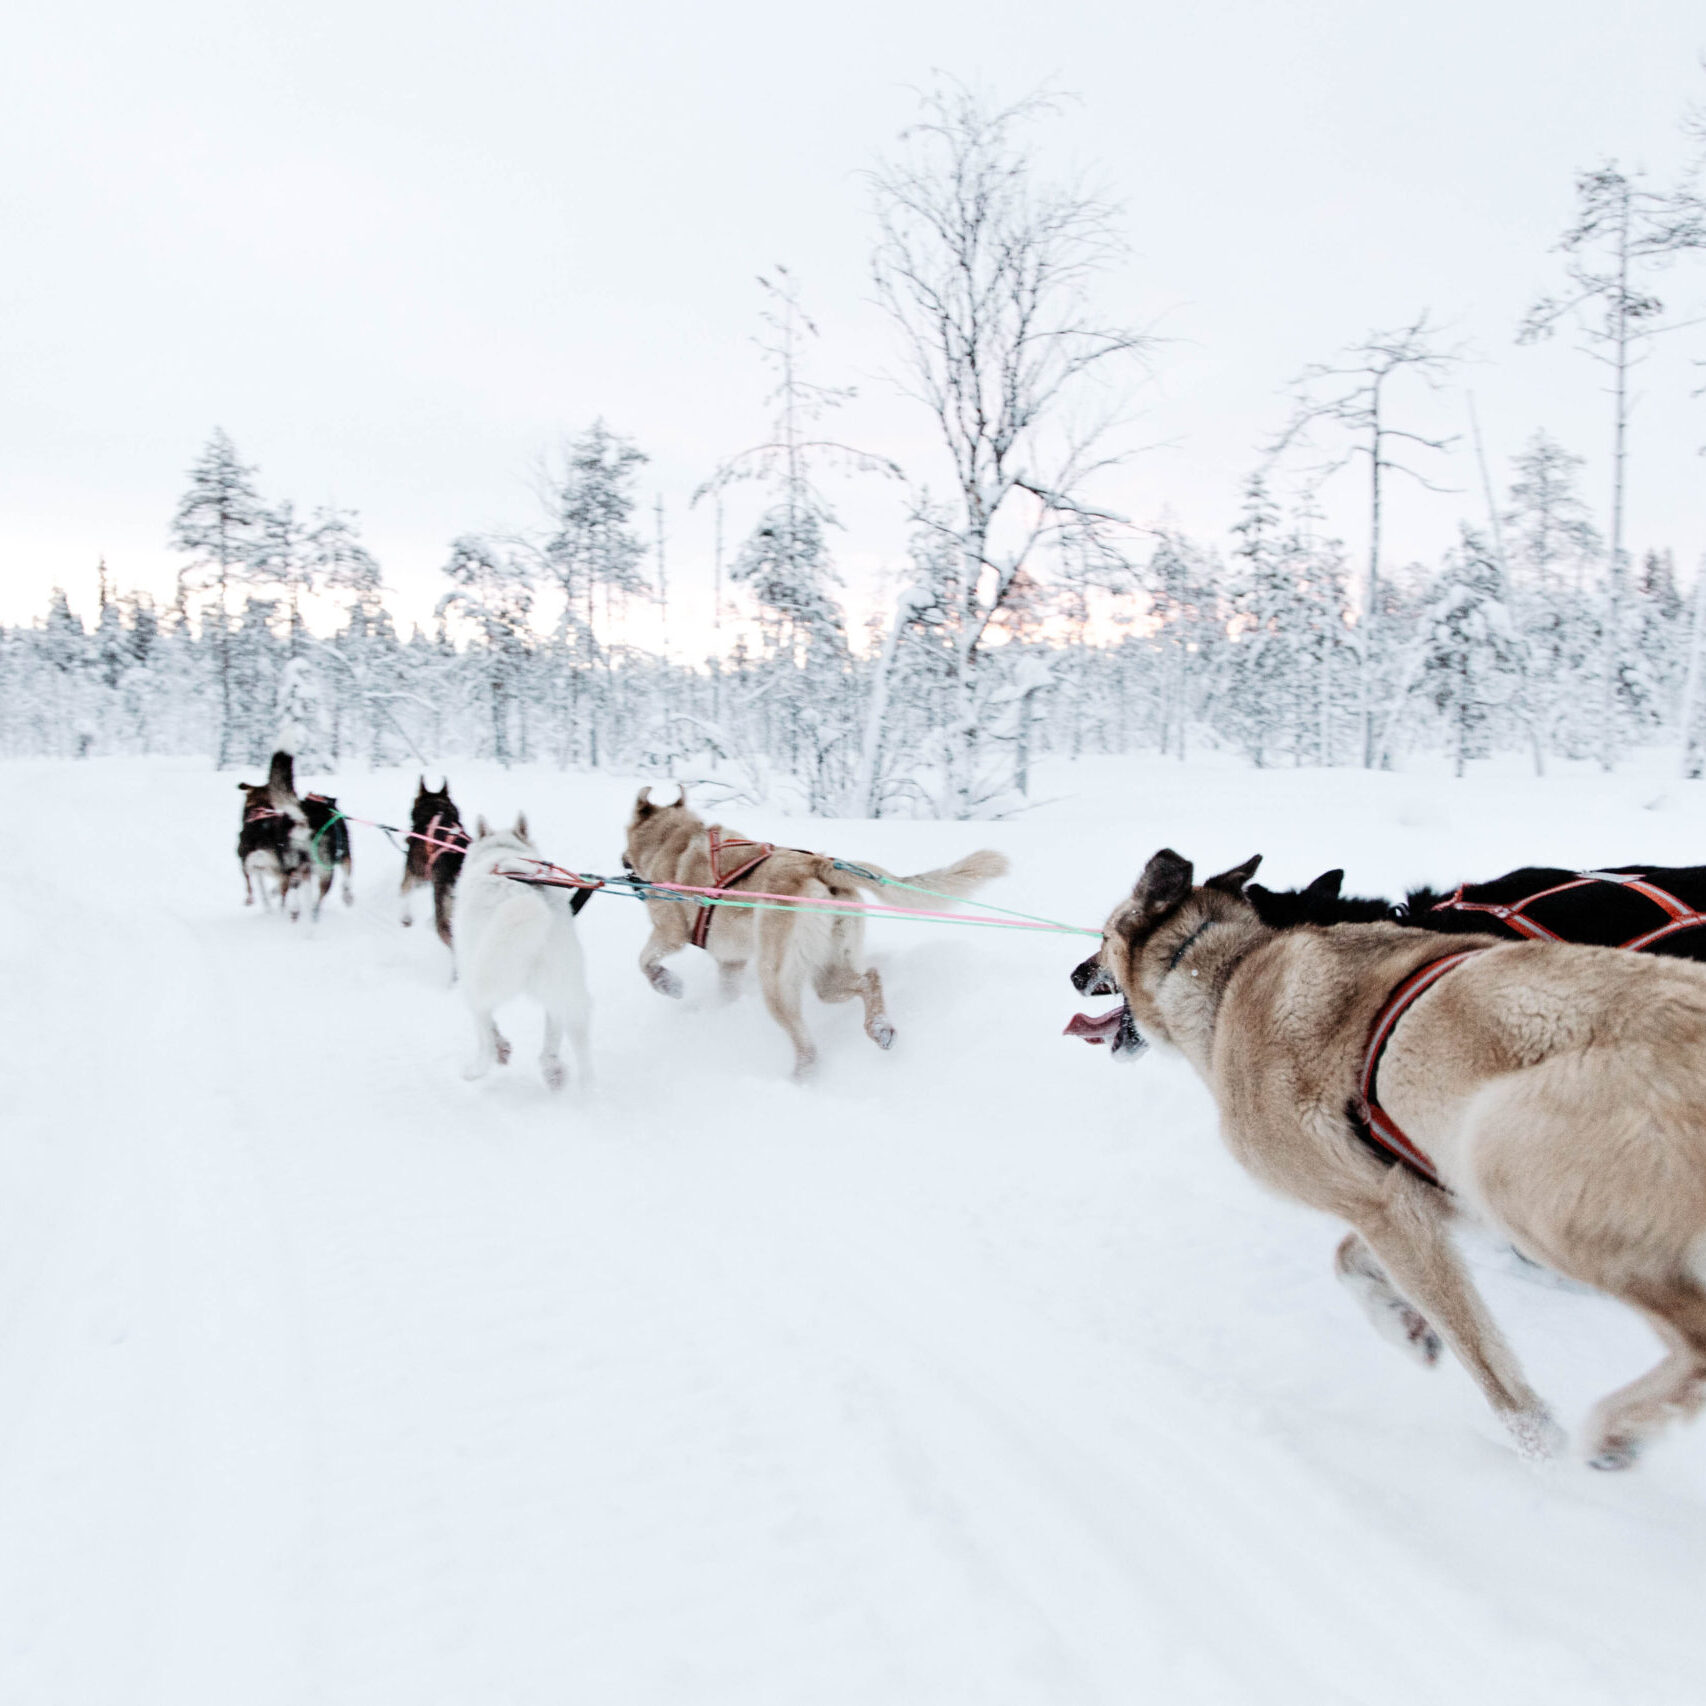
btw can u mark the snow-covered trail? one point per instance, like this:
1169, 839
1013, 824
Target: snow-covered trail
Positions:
974, 1372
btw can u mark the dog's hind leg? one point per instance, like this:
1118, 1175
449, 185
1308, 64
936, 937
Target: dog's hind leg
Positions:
405, 896
1394, 1316
490, 1047
248, 884
1409, 1235
441, 893
835, 983
551, 1056
1673, 1391
783, 979
658, 975
349, 882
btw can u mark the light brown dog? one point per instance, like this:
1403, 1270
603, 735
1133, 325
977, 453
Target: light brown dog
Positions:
1559, 1091
671, 844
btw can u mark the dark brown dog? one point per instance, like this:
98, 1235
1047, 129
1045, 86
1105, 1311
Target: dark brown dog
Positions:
437, 842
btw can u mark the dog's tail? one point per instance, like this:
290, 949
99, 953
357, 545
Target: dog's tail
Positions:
953, 882
281, 788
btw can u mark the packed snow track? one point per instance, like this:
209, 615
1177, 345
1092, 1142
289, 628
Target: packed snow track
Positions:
974, 1372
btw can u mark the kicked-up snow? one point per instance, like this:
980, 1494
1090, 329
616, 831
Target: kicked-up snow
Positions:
972, 1372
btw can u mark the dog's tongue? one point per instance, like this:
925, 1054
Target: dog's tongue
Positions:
1098, 1030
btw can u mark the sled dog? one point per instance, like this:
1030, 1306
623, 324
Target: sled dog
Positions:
1556, 1091
328, 848
513, 939
272, 837
436, 844
1653, 909
668, 843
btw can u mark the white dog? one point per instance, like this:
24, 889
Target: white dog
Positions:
513, 939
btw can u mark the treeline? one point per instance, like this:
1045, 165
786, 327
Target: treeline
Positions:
1030, 619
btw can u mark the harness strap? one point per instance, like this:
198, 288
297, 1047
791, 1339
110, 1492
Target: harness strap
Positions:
1681, 916
440, 838
723, 876
1377, 1124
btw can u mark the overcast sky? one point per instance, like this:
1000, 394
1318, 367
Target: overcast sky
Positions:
399, 250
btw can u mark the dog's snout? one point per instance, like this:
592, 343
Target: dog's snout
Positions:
1092, 978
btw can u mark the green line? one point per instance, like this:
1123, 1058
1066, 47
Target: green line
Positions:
314, 845
987, 906
860, 912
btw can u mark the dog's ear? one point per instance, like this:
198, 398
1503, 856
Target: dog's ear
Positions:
444, 786
481, 829
521, 825
643, 802
244, 787
1327, 885
420, 783
1233, 881
1165, 882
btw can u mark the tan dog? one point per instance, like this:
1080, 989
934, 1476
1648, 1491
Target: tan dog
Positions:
1559, 1092
670, 844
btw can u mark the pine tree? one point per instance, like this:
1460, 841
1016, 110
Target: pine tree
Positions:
216, 525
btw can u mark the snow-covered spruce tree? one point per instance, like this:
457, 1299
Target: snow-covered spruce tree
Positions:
1353, 393
1554, 554
1650, 684
256, 659
593, 553
282, 566
1183, 582
361, 659
1470, 662
1623, 231
492, 594
985, 270
785, 561
215, 526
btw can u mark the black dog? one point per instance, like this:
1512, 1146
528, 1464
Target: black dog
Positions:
437, 843
328, 846
1650, 908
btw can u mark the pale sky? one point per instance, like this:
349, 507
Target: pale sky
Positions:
399, 251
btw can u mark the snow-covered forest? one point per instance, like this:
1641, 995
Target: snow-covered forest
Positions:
1032, 618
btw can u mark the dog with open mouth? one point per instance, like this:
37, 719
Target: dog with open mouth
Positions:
1400, 1079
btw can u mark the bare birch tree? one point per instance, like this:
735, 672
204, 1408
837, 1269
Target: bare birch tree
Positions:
986, 272
1623, 231
1353, 394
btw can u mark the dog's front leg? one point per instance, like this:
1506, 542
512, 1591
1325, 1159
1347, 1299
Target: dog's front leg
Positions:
404, 896
1409, 1236
658, 947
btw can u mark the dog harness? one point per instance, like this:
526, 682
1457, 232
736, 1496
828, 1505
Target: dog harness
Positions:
1377, 1127
1679, 916
452, 838
723, 874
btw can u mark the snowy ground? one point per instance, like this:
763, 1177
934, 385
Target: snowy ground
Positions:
971, 1373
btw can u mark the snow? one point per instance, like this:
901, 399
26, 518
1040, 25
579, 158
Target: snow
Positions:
974, 1372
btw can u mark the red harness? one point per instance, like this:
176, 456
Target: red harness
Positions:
1378, 1125
256, 813
1680, 917
722, 875
455, 839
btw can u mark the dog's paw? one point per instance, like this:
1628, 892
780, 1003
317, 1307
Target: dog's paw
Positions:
881, 1032
1419, 1340
407, 921
474, 1069
665, 982
502, 1044
1614, 1451
555, 1076
1538, 1438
